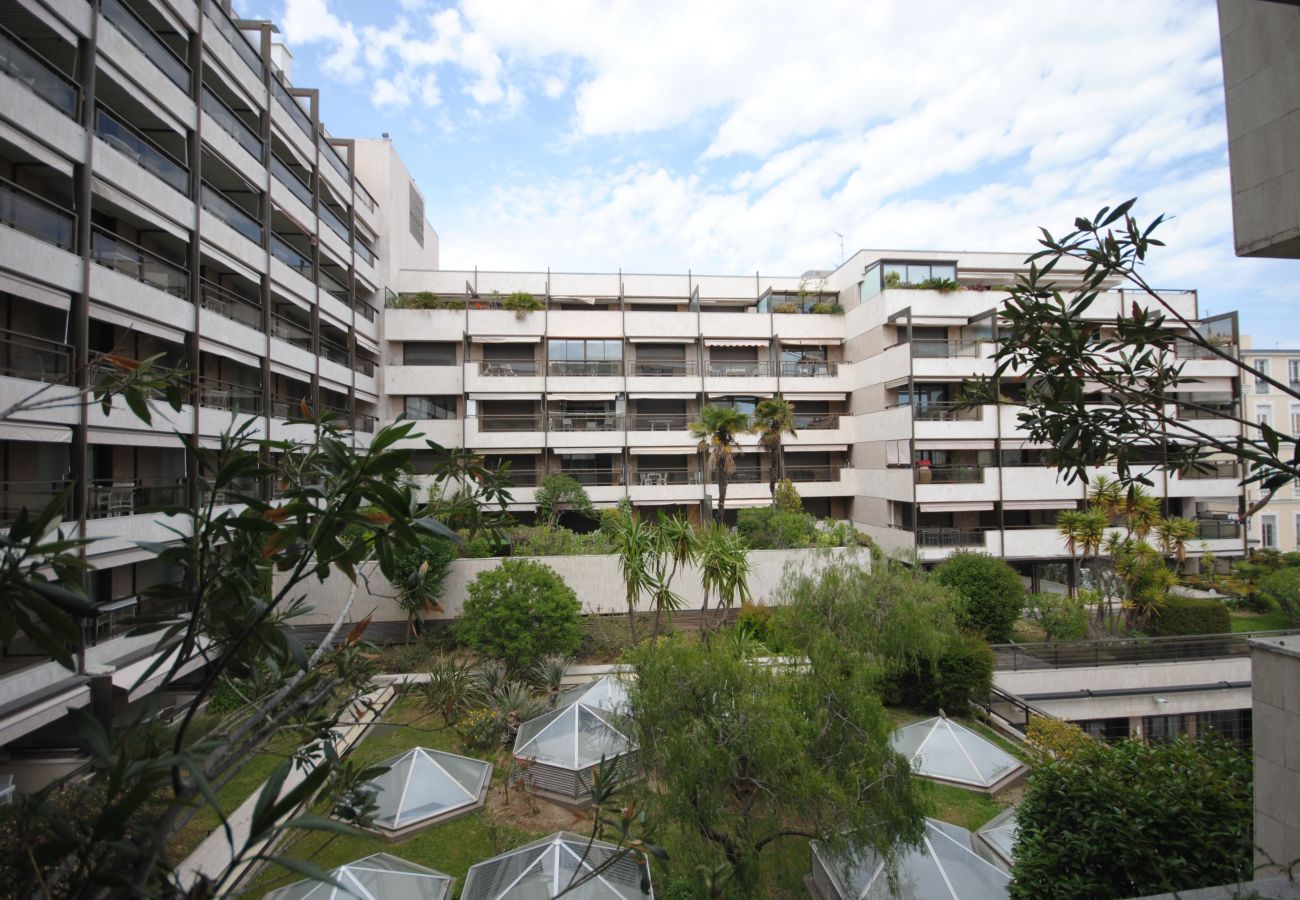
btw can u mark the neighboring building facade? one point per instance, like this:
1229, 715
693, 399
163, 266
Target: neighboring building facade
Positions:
167, 190
1261, 80
1277, 525
602, 381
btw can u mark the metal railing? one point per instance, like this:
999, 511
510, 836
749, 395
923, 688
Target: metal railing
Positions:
229, 304
289, 179
659, 422
593, 478
147, 155
147, 42
32, 214
331, 286
227, 211
746, 475
287, 254
812, 473
130, 496
364, 423
232, 124
35, 358
522, 477
335, 222
654, 476
363, 251
939, 349
236, 37
923, 474
288, 406
145, 266
949, 537
816, 421
946, 411
562, 421
368, 312
1124, 651
238, 398
290, 105
662, 368
33, 496
740, 369
364, 196
1209, 469
1214, 410
41, 77
1217, 529
333, 351
508, 422
335, 159
507, 368
286, 329
808, 369
583, 368
1011, 709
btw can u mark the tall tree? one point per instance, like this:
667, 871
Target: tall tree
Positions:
678, 545
637, 549
1069, 526
773, 420
723, 560
717, 429
1174, 534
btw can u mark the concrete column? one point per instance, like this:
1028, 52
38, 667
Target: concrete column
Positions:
1275, 676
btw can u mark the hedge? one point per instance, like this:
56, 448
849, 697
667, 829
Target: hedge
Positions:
1190, 615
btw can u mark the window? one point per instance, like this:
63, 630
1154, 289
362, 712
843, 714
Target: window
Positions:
428, 353
1232, 724
1293, 372
904, 274
1163, 729
1295, 539
430, 407
1261, 366
1109, 730
417, 215
1268, 531
1295, 420
1264, 414
589, 357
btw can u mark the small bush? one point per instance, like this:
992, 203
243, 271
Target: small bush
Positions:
786, 307
990, 591
787, 497
1062, 617
1190, 615
763, 529
481, 730
756, 618
962, 673
520, 612
1283, 588
544, 540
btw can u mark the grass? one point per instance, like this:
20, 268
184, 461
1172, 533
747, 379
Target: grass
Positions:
959, 806
1273, 620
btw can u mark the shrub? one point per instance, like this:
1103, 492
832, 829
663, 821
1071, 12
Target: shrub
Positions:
787, 306
519, 612
991, 593
522, 303
1135, 819
962, 673
560, 493
1283, 588
787, 497
756, 618
480, 729
1190, 615
543, 540
1062, 617
824, 307
763, 529
418, 576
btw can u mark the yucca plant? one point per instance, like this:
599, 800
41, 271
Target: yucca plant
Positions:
548, 676
453, 687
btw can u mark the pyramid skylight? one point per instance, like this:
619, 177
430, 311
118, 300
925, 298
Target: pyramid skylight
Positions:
998, 837
426, 786
377, 877
941, 749
545, 868
576, 736
608, 693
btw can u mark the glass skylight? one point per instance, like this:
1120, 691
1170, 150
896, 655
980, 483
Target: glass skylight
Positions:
542, 869
377, 877
944, 750
427, 784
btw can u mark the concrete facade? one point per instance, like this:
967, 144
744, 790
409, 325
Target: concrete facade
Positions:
1275, 664
1277, 525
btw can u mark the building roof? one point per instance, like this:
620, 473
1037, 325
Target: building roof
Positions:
998, 837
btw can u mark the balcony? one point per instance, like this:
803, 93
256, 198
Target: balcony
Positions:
813, 474
816, 421
147, 155
661, 368
286, 177
945, 538
596, 477
234, 36
1218, 529
1210, 470
659, 422
932, 349
509, 422
331, 155
42, 78
237, 398
220, 206
229, 121
134, 29
138, 264
739, 369
559, 421
515, 368
129, 497
229, 304
946, 411
32, 214
583, 368
33, 496
33, 358
809, 369
661, 476
290, 105
335, 223
924, 474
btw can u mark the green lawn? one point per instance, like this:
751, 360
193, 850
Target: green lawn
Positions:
1273, 620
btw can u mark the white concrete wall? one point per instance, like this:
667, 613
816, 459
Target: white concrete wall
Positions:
595, 579
1277, 752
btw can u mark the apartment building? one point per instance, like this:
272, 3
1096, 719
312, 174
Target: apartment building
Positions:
166, 189
601, 380
1277, 525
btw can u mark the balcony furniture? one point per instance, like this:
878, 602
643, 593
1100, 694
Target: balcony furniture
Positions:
654, 478
116, 499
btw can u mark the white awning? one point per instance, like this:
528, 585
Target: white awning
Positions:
955, 445
757, 394
135, 323
667, 395
224, 350
585, 451
143, 438
662, 451
738, 342
593, 397
31, 291
662, 340
742, 504
1038, 504
30, 431
128, 677
505, 338
511, 451
814, 448
896, 383
505, 396
688, 502
828, 395
810, 342
955, 507
1216, 384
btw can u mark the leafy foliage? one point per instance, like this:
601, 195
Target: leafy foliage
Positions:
1135, 819
419, 574
519, 612
562, 493
1061, 616
717, 430
1191, 615
1051, 738
1283, 588
962, 672
991, 592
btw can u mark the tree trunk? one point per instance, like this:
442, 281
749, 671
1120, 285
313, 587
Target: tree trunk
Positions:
719, 514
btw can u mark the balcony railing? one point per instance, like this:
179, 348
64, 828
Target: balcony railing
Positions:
721, 369
333, 351
335, 159
1202, 471
286, 329
236, 37
232, 124
583, 368
220, 206
32, 214
332, 287
147, 155
932, 349
1208, 410
659, 475
27, 67
816, 421
809, 369
1217, 529
135, 262
286, 177
592, 478
335, 222
661, 368
509, 422
229, 304
949, 537
659, 422
946, 411
287, 254
507, 368
364, 423
290, 105
948, 474
32, 496
147, 42
367, 312
561, 421
746, 475
128, 497
363, 251
364, 196
812, 473
288, 406
238, 398
33, 358
522, 477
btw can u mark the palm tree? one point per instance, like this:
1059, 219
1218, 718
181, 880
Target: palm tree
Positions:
1141, 512
634, 542
1174, 534
1106, 494
1092, 534
676, 543
723, 558
1067, 526
773, 420
716, 429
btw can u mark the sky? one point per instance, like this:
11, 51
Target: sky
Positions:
734, 136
